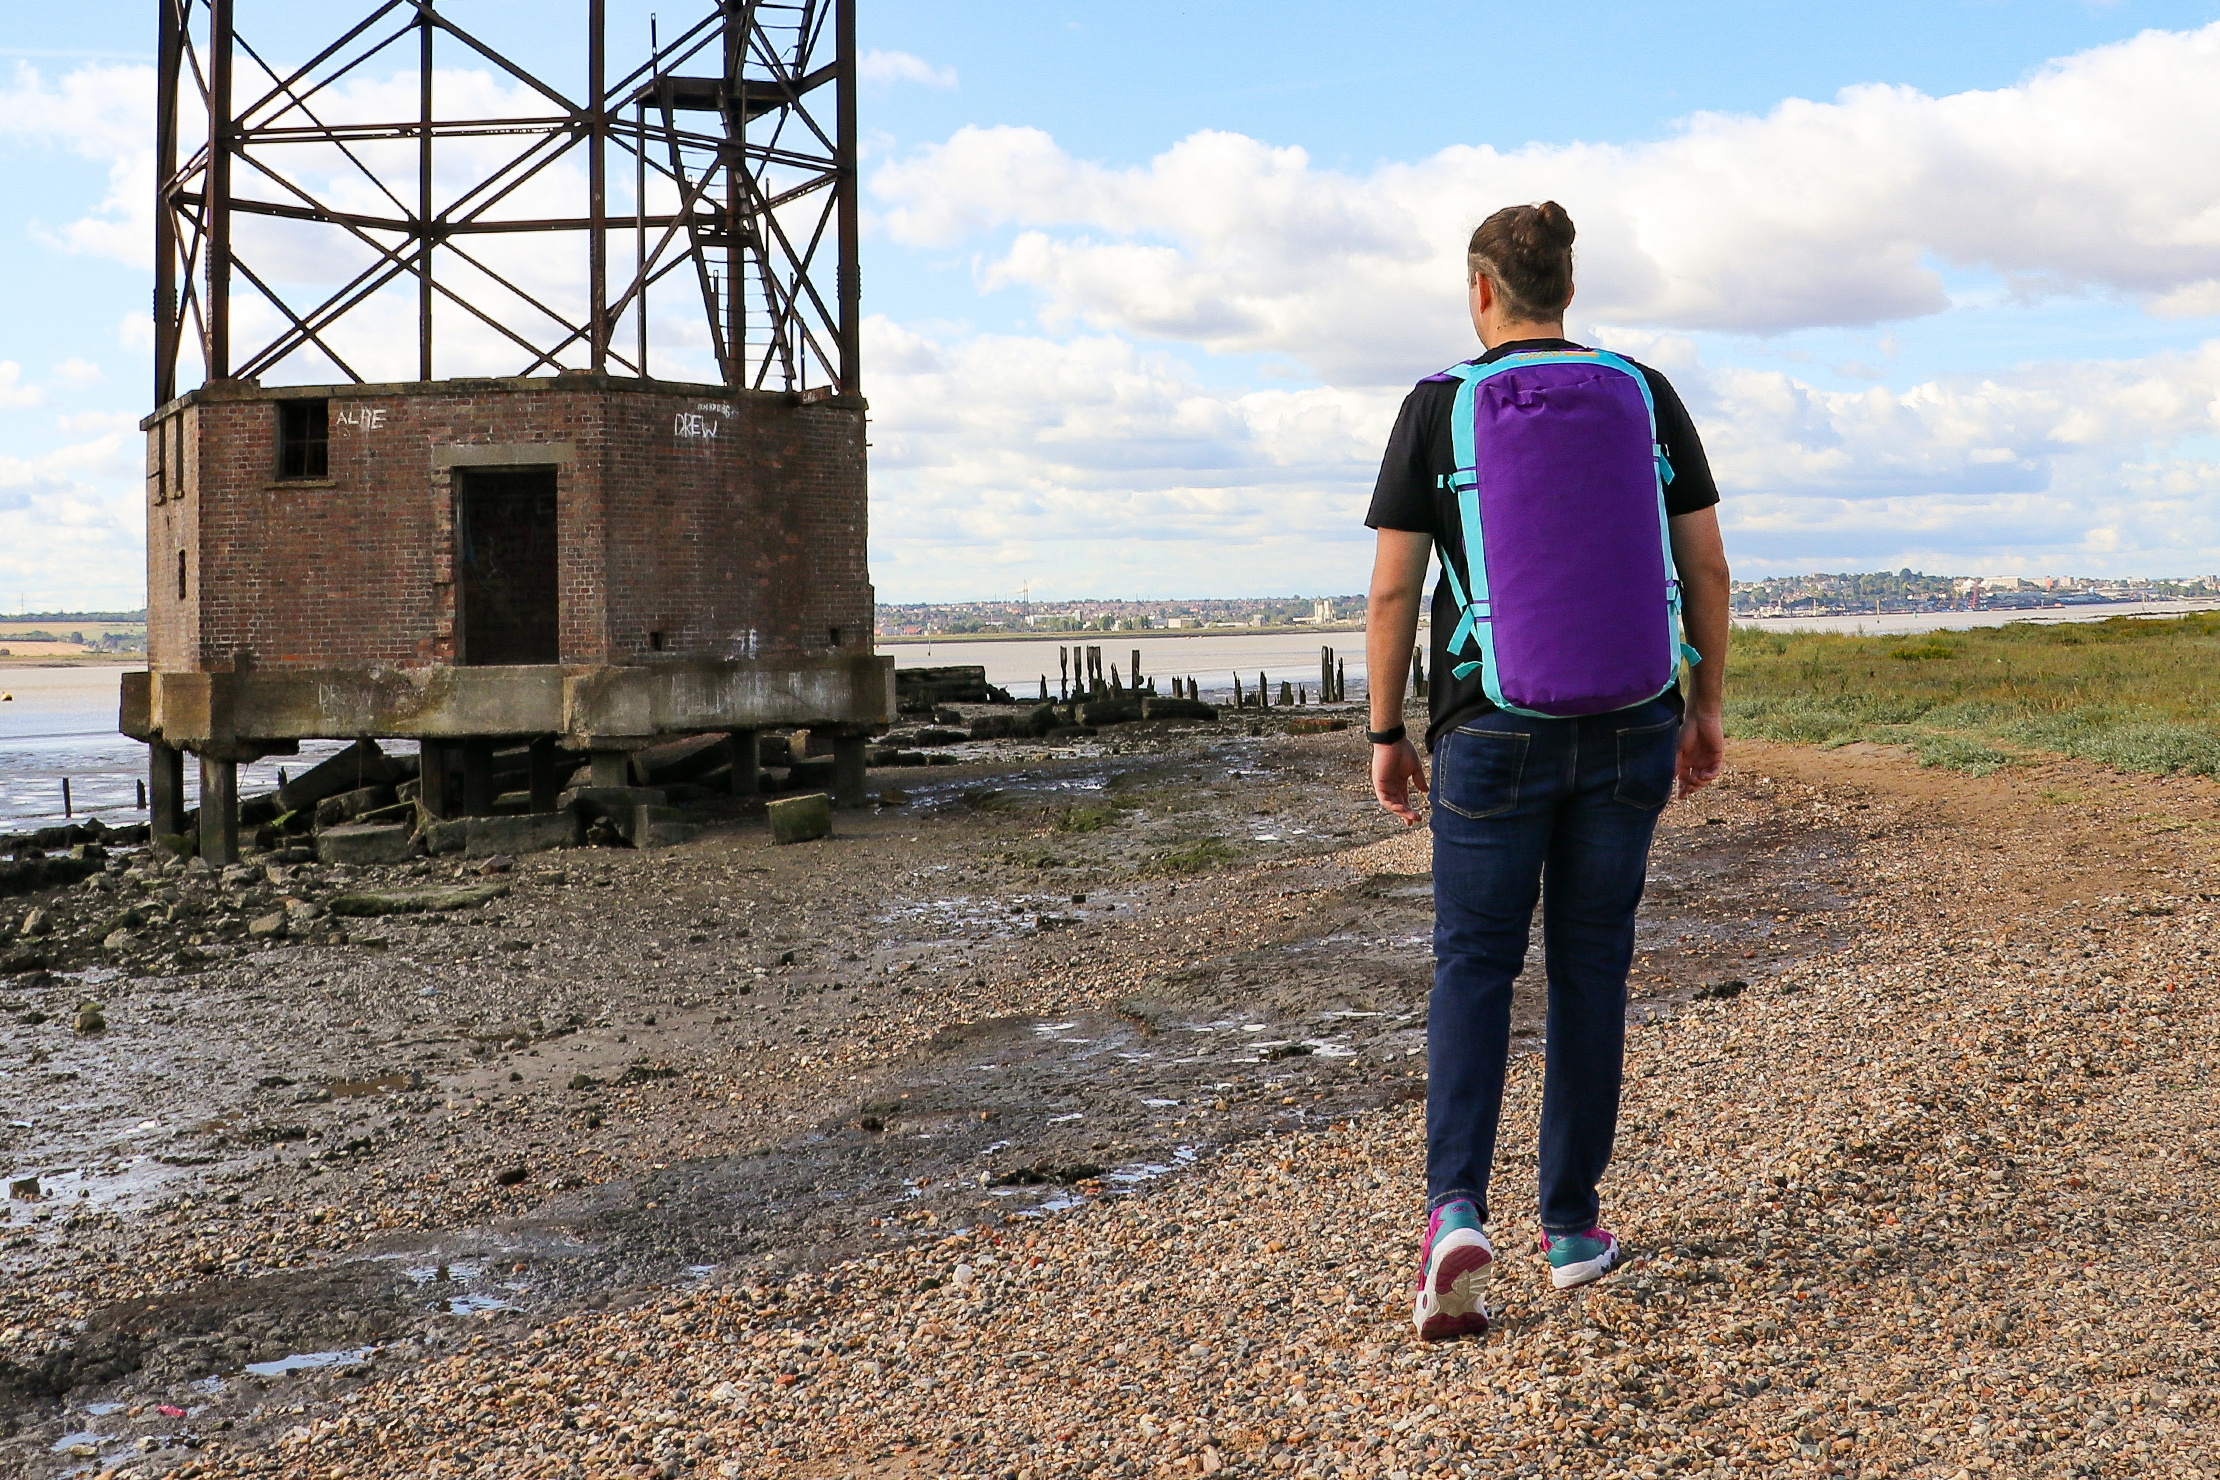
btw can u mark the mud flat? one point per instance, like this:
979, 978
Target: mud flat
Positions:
1062, 1119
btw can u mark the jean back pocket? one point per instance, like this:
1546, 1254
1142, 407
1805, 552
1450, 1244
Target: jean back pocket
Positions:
1649, 756
1477, 772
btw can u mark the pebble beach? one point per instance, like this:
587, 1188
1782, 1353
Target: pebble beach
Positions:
1924, 1190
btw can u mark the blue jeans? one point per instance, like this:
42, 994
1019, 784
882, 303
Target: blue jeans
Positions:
1518, 804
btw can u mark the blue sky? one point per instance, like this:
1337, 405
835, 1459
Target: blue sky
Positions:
1146, 282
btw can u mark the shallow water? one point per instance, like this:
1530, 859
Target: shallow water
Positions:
61, 722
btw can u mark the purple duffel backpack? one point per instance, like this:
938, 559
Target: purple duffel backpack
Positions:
1560, 484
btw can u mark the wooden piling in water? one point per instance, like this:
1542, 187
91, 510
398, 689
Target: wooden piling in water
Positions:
1341, 681
1237, 700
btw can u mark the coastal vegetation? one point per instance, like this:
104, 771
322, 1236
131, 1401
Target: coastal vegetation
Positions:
2135, 694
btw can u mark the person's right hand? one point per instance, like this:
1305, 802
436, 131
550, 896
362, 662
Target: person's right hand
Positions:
1395, 770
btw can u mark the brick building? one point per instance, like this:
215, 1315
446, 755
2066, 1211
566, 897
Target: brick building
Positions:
595, 562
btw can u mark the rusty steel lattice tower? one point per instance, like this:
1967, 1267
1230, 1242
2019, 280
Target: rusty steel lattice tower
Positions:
528, 415
726, 119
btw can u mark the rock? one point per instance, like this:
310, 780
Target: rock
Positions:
934, 736
360, 844
118, 942
1036, 721
500, 863
301, 911
38, 922
1108, 712
266, 927
963, 1276
888, 756
444, 836
131, 918
800, 819
90, 1019
614, 803
346, 806
533, 832
661, 827
25, 1189
511, 1176
1160, 708
893, 798
366, 903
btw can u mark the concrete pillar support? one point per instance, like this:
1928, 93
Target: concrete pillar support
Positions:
477, 778
545, 787
219, 811
165, 788
435, 776
611, 768
747, 763
848, 771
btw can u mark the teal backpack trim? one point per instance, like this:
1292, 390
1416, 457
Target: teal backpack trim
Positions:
1475, 624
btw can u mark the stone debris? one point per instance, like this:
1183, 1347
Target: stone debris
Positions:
1928, 1196
366, 844
368, 904
801, 819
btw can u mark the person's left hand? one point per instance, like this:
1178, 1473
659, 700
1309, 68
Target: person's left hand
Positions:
1703, 751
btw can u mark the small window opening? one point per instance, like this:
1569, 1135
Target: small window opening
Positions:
181, 575
655, 641
833, 634
304, 439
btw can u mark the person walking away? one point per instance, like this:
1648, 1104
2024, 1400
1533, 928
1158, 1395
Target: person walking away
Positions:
1573, 511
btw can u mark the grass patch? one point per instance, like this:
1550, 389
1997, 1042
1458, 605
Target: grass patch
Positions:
1078, 819
2130, 694
1196, 857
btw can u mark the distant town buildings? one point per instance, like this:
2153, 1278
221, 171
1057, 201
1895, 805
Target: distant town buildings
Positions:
1884, 593
922, 619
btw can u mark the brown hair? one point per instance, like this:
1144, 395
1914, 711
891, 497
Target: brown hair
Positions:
1526, 252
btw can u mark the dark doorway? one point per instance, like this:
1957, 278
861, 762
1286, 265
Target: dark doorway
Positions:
505, 566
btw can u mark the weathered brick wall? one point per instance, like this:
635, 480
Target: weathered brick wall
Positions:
735, 528
730, 525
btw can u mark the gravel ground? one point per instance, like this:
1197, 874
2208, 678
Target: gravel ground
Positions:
1926, 1194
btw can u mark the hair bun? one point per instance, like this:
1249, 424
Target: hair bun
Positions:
1526, 251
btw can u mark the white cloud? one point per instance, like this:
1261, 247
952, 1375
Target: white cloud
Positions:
78, 374
100, 113
1116, 470
72, 526
12, 390
1815, 214
887, 67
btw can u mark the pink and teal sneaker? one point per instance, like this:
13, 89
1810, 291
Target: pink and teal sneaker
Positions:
1577, 1259
1457, 1264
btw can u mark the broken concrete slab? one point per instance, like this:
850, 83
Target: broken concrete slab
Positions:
1165, 708
347, 806
360, 764
356, 843
613, 802
369, 903
800, 819
689, 759
660, 827
266, 927
530, 832
443, 836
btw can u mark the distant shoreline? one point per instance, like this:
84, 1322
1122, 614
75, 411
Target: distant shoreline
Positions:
1105, 639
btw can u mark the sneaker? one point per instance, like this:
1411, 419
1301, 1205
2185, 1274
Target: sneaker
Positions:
1453, 1278
1580, 1258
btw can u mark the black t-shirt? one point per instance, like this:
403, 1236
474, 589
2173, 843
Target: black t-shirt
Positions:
1409, 496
